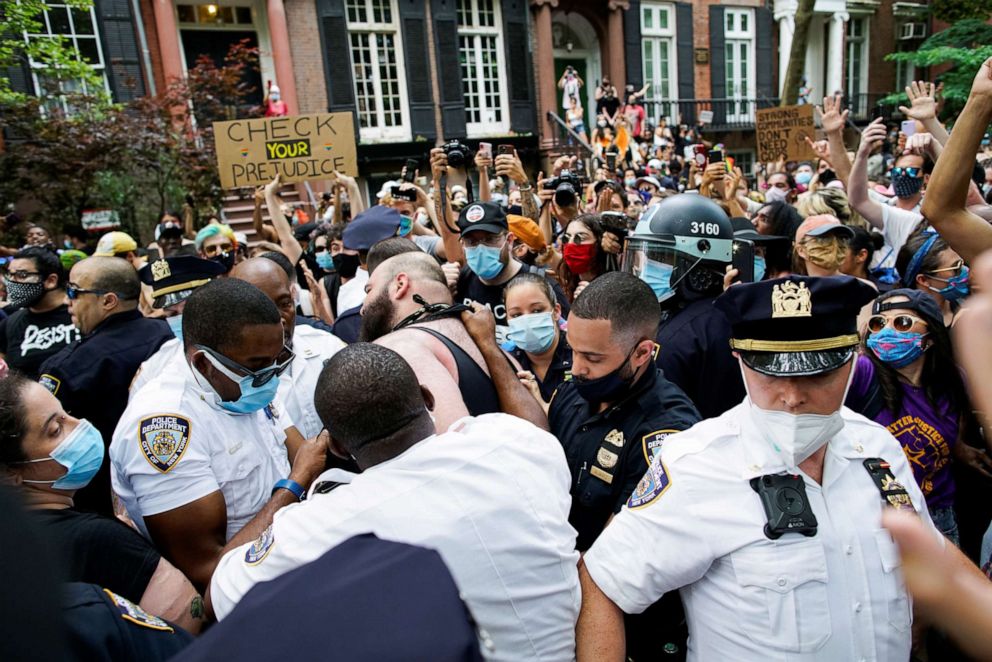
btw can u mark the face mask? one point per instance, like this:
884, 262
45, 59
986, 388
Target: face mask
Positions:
957, 287
759, 268
896, 348
601, 124
346, 265
274, 96
406, 226
580, 258
66, 243
224, 259
608, 388
804, 177
176, 324
324, 260
81, 453
776, 194
630, 182
826, 254
253, 398
24, 295
658, 276
484, 261
534, 333
645, 196
906, 186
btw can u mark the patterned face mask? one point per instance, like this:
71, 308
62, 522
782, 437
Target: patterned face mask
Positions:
23, 295
825, 252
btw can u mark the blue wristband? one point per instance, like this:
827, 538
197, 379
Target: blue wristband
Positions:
292, 486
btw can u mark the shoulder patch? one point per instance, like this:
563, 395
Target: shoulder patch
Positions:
259, 549
135, 614
652, 486
652, 442
50, 382
163, 439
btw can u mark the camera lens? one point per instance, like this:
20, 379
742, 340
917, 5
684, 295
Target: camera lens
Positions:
565, 195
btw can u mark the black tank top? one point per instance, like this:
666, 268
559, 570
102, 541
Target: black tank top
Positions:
476, 387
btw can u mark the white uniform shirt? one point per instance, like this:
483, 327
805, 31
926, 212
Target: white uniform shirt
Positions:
352, 293
170, 358
490, 495
297, 385
837, 595
174, 445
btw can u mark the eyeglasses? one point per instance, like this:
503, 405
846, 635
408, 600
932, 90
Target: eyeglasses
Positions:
900, 322
21, 275
954, 269
911, 171
493, 241
236, 372
73, 292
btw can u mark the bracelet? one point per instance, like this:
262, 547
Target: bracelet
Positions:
292, 486
524, 187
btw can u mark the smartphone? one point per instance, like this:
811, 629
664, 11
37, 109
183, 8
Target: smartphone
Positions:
486, 148
611, 162
411, 170
743, 260
699, 154
908, 128
716, 156
505, 149
398, 193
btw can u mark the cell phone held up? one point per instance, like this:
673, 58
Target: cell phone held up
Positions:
410, 172
699, 155
742, 259
611, 162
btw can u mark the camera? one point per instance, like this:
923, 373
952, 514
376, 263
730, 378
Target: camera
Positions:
457, 153
565, 186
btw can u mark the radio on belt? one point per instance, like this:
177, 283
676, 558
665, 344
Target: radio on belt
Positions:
786, 505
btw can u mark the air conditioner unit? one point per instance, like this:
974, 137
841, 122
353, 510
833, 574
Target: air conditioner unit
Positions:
913, 31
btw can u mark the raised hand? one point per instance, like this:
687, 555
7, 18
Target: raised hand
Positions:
873, 135
982, 85
922, 101
832, 118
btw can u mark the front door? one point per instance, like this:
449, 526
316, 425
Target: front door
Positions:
215, 44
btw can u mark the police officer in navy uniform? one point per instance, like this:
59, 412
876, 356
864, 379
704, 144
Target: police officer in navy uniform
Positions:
681, 248
91, 377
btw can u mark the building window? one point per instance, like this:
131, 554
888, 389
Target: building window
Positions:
78, 28
739, 63
857, 65
743, 160
480, 48
658, 55
376, 59
213, 15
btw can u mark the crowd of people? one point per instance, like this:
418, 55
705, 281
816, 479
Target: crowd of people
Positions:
666, 410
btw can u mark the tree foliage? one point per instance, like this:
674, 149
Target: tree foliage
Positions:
952, 11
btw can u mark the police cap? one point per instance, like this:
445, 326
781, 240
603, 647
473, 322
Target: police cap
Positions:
172, 279
795, 326
370, 227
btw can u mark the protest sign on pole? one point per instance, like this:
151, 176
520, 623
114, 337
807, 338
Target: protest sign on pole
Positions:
782, 132
252, 152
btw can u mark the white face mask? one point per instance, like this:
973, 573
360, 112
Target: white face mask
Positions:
796, 437
774, 194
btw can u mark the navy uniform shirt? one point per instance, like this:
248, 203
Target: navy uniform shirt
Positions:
696, 356
559, 371
91, 378
609, 452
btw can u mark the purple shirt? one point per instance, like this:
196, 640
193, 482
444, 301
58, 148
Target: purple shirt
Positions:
926, 434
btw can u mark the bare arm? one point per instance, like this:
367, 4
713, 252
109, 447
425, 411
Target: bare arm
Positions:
482, 162
599, 634
355, 198
290, 246
833, 120
857, 185
444, 219
170, 595
514, 397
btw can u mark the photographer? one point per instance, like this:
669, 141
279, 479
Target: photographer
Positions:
559, 198
570, 83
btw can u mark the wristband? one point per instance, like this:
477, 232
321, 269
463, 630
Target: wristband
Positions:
525, 187
290, 485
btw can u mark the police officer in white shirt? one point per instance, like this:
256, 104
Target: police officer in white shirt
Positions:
490, 495
768, 518
203, 455
310, 345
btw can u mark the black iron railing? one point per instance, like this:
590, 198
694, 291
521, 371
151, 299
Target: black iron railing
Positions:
712, 114
867, 106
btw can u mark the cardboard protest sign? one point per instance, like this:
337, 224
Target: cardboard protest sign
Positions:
100, 220
298, 147
782, 131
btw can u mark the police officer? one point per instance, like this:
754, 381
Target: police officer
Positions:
172, 280
681, 248
91, 377
768, 517
202, 455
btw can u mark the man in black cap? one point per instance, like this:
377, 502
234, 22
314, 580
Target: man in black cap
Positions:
485, 243
768, 517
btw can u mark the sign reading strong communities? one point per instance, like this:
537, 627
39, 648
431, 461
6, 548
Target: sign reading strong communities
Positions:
298, 147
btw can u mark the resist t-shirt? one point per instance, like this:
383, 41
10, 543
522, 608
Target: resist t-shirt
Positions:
926, 433
27, 338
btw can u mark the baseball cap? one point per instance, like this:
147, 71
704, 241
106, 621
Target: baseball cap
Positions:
654, 164
821, 224
650, 180
113, 243
526, 231
484, 216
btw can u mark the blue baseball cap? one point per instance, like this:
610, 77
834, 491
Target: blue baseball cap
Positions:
370, 227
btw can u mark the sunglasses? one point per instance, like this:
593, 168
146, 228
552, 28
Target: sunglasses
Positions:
912, 171
954, 269
900, 322
236, 372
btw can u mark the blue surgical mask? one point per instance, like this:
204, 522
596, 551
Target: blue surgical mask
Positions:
253, 398
406, 226
484, 261
325, 261
659, 276
630, 182
759, 268
81, 453
534, 333
957, 287
804, 177
896, 348
176, 324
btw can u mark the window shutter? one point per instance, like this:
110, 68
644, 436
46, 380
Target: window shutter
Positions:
718, 63
337, 57
686, 54
19, 76
449, 68
519, 72
120, 49
418, 82
765, 83
632, 47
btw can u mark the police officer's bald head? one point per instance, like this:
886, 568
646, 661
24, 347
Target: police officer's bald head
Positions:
269, 277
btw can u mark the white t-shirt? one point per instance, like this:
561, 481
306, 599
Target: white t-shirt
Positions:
352, 293
297, 385
698, 526
897, 226
490, 495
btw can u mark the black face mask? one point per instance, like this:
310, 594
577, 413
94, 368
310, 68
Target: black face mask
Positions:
225, 259
608, 388
346, 265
